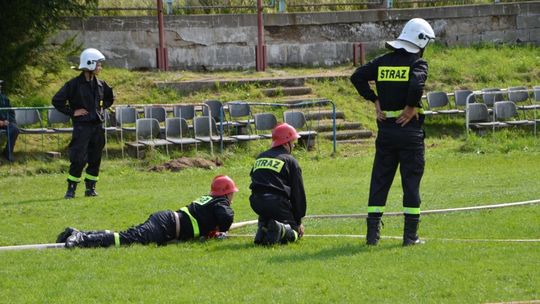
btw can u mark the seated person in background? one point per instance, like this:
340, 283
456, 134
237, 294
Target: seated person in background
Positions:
7, 122
209, 216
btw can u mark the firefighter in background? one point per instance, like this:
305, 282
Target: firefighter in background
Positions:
209, 216
399, 78
277, 190
85, 98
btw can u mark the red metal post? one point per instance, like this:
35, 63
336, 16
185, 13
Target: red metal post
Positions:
260, 51
358, 51
362, 53
354, 60
162, 63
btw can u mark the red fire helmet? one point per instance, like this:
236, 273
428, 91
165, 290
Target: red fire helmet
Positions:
283, 133
222, 185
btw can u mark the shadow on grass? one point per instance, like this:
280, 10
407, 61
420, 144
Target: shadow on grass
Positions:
60, 198
444, 127
329, 253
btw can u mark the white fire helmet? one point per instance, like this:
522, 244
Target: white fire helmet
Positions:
89, 59
415, 36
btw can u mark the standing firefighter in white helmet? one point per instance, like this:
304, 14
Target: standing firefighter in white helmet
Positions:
85, 98
277, 190
399, 78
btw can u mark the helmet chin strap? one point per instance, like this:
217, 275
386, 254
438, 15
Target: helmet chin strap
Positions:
289, 146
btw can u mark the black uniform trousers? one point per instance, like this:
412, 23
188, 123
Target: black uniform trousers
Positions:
86, 146
403, 146
12, 132
271, 206
159, 228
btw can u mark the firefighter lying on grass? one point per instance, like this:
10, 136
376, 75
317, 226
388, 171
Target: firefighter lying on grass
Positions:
209, 216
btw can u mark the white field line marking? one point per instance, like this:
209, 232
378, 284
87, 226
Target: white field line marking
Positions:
360, 236
246, 223
426, 212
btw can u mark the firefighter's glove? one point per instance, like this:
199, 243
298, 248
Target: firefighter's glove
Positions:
221, 235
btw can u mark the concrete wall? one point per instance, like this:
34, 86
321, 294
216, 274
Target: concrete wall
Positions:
212, 42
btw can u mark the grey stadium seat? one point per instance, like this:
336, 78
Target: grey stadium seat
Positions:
297, 119
439, 103
177, 132
265, 122
203, 126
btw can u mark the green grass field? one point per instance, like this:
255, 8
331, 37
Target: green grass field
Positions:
467, 257
317, 270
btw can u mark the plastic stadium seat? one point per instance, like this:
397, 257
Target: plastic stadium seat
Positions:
297, 119
186, 112
147, 133
241, 120
177, 132
439, 103
56, 117
506, 112
265, 122
206, 130
491, 95
460, 98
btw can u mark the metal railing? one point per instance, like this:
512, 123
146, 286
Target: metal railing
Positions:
180, 7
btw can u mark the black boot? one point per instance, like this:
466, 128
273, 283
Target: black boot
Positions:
410, 230
280, 233
69, 231
373, 234
290, 235
63, 236
261, 234
70, 193
83, 240
90, 188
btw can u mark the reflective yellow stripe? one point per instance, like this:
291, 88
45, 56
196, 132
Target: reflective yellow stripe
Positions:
91, 177
268, 163
194, 222
393, 73
203, 200
408, 210
375, 209
395, 114
392, 114
116, 239
74, 179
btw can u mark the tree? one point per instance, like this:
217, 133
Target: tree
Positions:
25, 26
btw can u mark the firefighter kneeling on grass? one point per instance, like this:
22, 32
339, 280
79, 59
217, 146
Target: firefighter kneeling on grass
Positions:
277, 190
209, 216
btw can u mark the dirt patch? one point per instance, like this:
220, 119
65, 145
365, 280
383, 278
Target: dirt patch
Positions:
185, 163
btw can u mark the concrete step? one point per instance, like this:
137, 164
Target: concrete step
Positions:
307, 101
347, 134
212, 83
327, 125
286, 91
323, 114
362, 141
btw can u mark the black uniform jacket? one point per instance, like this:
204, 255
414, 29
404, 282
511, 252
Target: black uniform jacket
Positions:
8, 115
210, 212
278, 172
399, 77
81, 94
